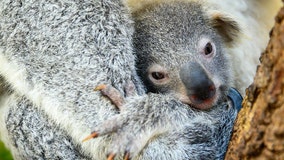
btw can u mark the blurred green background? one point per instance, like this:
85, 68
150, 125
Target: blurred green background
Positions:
4, 153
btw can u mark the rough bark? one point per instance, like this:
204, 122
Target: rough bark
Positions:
259, 129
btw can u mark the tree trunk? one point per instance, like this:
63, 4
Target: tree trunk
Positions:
259, 129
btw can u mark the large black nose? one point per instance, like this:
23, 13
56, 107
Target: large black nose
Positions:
200, 87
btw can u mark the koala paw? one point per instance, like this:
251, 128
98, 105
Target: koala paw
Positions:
125, 139
142, 119
113, 94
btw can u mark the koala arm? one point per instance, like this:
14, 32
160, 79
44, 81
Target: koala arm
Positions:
157, 126
52, 55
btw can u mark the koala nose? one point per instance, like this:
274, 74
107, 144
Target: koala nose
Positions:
200, 88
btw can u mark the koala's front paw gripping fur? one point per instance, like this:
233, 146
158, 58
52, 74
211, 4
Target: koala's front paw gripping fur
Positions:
121, 141
115, 123
113, 94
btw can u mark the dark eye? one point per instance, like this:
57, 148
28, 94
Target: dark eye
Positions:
158, 75
208, 49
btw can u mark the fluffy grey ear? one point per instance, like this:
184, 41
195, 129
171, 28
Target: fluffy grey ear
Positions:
226, 26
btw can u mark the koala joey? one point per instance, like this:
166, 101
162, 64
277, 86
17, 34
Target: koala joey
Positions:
181, 51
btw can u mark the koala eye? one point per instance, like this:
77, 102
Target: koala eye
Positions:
158, 75
208, 49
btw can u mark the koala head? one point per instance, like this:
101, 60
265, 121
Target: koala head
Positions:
181, 49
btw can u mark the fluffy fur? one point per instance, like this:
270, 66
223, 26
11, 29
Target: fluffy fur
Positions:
255, 19
52, 55
186, 50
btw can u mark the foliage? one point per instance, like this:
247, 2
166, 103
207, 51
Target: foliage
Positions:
4, 153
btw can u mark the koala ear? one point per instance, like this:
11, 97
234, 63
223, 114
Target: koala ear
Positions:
226, 27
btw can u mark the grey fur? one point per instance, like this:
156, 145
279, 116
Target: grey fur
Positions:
157, 126
65, 48
168, 35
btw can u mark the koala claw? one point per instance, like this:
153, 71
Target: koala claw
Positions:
126, 156
111, 156
91, 136
113, 94
123, 144
100, 87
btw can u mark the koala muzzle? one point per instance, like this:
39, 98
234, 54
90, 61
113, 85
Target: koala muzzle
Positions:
200, 88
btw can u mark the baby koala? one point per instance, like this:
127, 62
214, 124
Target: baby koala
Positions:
180, 50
